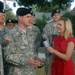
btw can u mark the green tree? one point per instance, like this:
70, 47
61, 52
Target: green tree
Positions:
41, 22
9, 14
72, 18
46, 5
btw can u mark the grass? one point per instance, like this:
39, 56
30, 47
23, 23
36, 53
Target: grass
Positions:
40, 71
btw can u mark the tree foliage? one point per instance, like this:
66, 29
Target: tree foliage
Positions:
9, 14
72, 18
40, 23
46, 5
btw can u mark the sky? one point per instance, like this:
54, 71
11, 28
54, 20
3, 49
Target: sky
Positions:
11, 6
73, 5
10, 3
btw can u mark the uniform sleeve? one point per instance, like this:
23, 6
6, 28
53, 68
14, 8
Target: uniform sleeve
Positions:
37, 42
71, 39
45, 32
12, 56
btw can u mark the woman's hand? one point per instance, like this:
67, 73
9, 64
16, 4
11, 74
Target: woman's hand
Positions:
51, 50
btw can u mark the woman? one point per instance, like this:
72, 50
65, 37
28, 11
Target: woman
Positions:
63, 46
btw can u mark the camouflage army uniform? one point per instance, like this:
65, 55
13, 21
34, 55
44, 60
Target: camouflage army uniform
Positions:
3, 44
2, 32
1, 36
19, 50
37, 37
49, 32
1, 62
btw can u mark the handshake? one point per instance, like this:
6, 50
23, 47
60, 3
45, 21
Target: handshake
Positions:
46, 43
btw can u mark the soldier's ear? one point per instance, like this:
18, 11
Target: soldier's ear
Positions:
19, 17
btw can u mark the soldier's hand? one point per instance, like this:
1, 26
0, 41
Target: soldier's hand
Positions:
8, 38
31, 61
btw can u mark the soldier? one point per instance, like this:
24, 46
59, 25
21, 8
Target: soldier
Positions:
10, 23
3, 41
20, 52
33, 18
2, 27
2, 19
36, 32
49, 32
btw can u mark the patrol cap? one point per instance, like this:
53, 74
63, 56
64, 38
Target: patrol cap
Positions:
23, 11
55, 11
1, 7
32, 13
10, 21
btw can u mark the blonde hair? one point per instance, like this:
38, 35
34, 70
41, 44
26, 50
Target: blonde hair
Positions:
68, 27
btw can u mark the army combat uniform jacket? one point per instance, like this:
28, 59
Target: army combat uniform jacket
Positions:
37, 37
19, 50
2, 33
49, 31
1, 62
